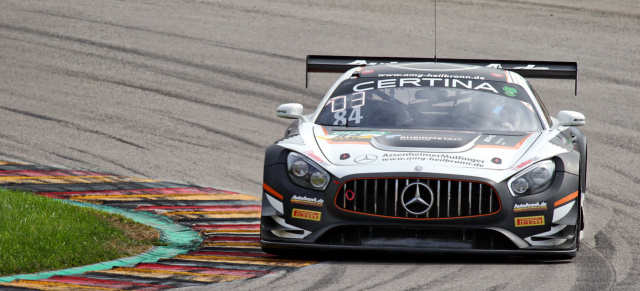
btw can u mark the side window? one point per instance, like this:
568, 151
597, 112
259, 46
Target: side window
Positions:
544, 109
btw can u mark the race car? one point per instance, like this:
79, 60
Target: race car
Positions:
425, 155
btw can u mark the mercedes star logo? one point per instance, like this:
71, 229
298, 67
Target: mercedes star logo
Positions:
363, 159
417, 198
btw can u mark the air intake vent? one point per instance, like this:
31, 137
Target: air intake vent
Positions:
418, 198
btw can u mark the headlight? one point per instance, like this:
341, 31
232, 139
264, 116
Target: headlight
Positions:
535, 179
303, 172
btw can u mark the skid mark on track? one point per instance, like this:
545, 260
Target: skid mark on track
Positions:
71, 125
181, 37
599, 273
227, 221
216, 131
583, 9
253, 10
168, 93
210, 68
106, 159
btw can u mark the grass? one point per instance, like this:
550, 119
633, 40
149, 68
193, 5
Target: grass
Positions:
39, 234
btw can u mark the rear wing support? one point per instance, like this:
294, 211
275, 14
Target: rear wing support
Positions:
527, 69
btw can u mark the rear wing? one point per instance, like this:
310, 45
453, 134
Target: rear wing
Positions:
527, 69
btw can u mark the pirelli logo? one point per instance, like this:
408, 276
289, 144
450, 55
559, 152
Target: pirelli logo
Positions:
529, 221
306, 214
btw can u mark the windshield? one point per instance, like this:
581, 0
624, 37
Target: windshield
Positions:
430, 103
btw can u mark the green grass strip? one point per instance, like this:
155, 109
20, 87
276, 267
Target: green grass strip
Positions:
178, 239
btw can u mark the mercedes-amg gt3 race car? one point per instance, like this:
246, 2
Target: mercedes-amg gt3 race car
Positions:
425, 155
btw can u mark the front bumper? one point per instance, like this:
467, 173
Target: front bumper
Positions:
298, 218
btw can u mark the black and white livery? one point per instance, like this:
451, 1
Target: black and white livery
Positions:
425, 155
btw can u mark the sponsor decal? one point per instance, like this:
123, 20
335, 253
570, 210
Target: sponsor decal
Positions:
512, 142
432, 76
282, 111
430, 138
313, 155
489, 138
529, 221
306, 214
497, 75
531, 67
418, 168
367, 71
344, 156
538, 206
528, 67
352, 136
522, 165
365, 159
307, 201
510, 91
425, 82
427, 139
496, 161
364, 62
429, 157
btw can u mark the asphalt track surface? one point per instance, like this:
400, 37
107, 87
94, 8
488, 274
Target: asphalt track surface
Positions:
186, 91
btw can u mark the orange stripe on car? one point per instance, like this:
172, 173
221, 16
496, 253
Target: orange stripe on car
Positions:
566, 199
271, 191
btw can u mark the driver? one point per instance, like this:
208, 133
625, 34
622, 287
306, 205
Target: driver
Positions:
486, 112
385, 113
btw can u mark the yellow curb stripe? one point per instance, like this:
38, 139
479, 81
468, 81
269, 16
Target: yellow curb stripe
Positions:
247, 261
241, 258
234, 244
54, 286
3, 178
69, 179
163, 274
213, 214
3, 163
192, 197
229, 231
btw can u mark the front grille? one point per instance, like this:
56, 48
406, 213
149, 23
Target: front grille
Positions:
416, 237
451, 198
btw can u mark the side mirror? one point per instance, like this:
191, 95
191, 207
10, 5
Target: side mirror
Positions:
570, 118
291, 111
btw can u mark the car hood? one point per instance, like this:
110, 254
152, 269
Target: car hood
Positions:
356, 147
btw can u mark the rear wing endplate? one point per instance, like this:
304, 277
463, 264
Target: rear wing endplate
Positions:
527, 69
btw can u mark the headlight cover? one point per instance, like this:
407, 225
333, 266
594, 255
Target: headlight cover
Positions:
534, 179
303, 172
